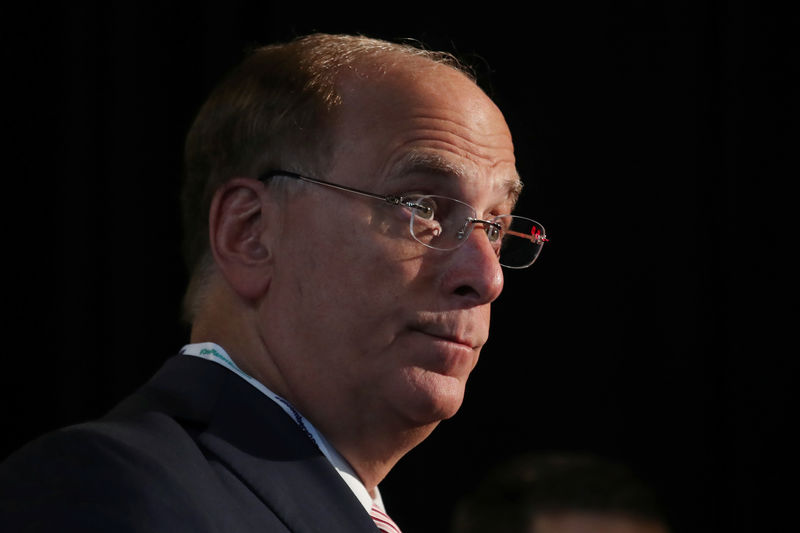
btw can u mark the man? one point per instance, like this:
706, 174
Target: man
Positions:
339, 300
560, 493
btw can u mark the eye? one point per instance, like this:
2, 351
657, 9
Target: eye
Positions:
494, 231
422, 207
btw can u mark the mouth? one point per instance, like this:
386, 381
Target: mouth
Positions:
441, 351
446, 336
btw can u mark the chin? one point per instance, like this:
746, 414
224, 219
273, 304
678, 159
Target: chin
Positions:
430, 398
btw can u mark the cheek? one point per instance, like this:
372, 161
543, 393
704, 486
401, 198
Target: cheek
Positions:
369, 256
359, 270
346, 278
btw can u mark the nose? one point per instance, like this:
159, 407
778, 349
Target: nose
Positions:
474, 274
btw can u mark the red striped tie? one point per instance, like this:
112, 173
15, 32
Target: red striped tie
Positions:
383, 521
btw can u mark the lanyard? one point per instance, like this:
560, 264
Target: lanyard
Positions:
215, 353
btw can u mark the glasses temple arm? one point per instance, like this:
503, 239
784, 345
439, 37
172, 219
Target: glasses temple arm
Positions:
287, 174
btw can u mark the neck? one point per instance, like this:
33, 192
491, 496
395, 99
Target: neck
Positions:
374, 455
371, 444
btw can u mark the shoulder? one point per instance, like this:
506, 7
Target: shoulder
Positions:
101, 476
181, 454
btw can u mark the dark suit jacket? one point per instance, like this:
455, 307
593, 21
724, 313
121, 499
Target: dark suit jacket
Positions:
197, 449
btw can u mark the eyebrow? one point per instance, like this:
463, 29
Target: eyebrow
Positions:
427, 162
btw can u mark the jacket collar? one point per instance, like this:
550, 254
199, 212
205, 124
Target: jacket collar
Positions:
253, 438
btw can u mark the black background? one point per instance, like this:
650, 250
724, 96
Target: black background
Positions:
658, 142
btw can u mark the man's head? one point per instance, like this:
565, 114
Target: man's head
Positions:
322, 294
560, 493
274, 110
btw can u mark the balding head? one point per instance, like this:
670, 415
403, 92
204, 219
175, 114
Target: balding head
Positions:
275, 110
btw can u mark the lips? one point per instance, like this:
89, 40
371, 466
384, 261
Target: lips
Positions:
454, 334
450, 338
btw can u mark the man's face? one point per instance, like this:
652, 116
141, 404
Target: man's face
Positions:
360, 318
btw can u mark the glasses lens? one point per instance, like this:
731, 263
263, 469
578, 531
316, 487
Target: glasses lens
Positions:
445, 223
522, 241
440, 222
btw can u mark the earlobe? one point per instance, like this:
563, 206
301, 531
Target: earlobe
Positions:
239, 236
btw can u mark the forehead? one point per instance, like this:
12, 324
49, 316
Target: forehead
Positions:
507, 185
417, 117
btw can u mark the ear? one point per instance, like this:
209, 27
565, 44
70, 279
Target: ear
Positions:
239, 235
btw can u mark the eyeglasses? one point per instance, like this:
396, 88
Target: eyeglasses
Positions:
443, 223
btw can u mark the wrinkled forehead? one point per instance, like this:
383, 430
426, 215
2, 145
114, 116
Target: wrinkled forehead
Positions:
506, 185
417, 116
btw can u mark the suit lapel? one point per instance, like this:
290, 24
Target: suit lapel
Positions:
260, 444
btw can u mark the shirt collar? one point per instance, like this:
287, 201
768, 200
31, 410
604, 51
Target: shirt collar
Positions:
213, 352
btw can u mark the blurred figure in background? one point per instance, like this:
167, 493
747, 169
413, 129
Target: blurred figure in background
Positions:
560, 493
